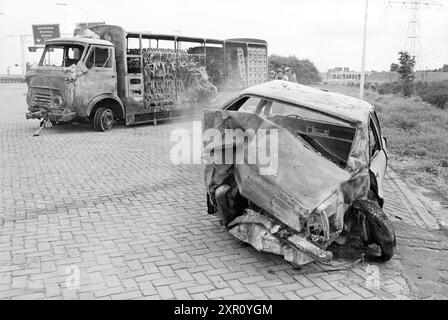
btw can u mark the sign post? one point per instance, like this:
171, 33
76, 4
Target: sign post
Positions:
23, 52
42, 32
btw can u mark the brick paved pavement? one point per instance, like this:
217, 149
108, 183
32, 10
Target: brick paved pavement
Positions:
112, 207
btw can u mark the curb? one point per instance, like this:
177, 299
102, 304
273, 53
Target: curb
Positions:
413, 198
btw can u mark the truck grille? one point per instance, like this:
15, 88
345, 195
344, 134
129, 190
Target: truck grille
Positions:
42, 99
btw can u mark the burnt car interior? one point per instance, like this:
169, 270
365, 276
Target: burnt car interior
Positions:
329, 136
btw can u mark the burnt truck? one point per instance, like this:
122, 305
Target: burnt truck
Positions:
327, 183
103, 74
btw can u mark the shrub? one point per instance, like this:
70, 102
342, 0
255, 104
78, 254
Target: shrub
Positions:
420, 87
435, 93
405, 123
390, 88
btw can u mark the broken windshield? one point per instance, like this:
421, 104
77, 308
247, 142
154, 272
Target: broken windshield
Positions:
61, 55
329, 136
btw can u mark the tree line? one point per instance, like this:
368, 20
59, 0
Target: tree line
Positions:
304, 70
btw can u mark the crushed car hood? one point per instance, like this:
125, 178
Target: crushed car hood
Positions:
302, 181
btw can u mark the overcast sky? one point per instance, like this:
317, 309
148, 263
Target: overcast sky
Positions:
328, 32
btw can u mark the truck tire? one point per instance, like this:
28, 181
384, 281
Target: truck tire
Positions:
103, 119
376, 228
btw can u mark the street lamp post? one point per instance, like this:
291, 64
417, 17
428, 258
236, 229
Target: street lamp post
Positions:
363, 59
65, 4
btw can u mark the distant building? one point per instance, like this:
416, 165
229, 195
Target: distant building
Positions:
14, 69
342, 75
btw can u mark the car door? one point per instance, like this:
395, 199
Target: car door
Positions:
378, 158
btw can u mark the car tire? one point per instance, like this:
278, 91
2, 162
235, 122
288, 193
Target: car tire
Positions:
376, 228
103, 119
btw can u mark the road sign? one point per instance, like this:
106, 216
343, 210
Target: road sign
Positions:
42, 32
35, 48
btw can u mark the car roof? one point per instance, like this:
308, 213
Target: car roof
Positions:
341, 106
79, 40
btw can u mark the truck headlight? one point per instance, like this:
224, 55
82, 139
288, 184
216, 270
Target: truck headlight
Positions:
58, 101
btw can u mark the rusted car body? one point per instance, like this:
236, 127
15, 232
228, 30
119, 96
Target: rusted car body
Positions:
331, 162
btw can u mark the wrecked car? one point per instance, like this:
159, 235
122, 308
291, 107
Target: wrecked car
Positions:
330, 161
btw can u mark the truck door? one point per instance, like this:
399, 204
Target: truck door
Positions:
101, 77
134, 80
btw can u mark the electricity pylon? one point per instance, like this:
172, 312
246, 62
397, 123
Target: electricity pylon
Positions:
413, 44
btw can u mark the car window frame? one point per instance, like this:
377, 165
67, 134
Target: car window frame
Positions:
377, 137
237, 100
347, 122
376, 122
257, 107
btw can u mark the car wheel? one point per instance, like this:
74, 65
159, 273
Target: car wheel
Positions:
103, 119
376, 228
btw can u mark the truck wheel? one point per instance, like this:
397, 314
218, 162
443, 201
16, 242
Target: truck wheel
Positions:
377, 228
103, 119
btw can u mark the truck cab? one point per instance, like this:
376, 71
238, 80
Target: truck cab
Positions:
76, 79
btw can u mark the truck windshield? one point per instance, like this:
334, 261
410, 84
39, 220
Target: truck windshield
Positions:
61, 55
